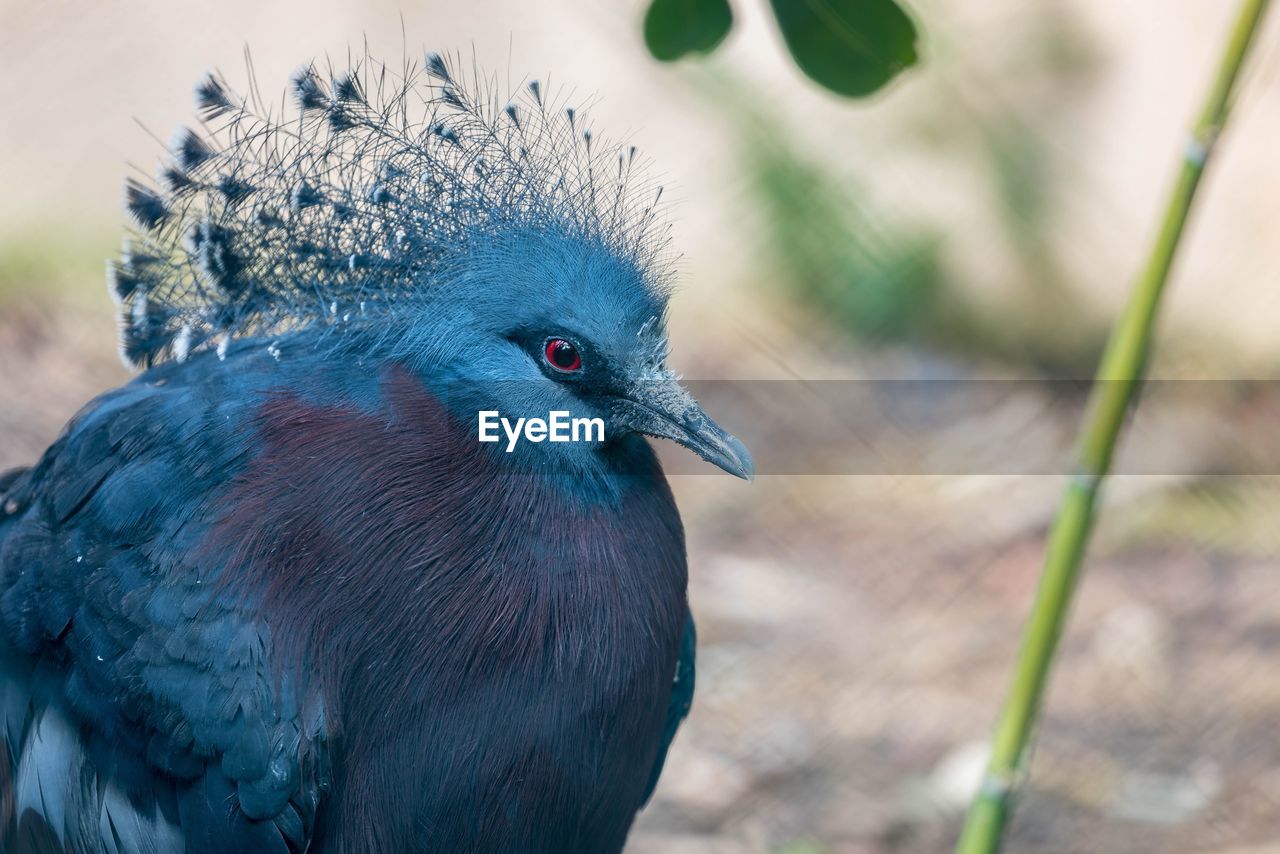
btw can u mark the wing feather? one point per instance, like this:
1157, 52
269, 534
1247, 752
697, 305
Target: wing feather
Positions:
138, 707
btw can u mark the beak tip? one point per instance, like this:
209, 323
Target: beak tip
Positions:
743, 465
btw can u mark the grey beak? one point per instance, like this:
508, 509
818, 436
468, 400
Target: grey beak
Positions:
662, 408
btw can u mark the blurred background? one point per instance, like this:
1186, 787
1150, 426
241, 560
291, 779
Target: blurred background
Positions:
933, 267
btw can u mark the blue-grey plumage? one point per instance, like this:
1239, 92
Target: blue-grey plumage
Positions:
274, 595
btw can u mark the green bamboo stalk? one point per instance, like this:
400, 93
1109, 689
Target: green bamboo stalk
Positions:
1118, 375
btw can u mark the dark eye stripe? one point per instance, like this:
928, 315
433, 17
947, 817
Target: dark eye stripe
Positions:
562, 355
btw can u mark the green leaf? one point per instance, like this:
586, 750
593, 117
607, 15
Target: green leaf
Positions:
674, 28
852, 47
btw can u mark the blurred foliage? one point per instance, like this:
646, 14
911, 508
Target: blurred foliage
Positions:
850, 47
882, 278
884, 275
876, 279
674, 28
47, 259
1228, 515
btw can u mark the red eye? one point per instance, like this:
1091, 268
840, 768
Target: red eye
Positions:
563, 356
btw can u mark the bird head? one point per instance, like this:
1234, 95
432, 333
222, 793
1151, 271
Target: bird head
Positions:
512, 259
538, 322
